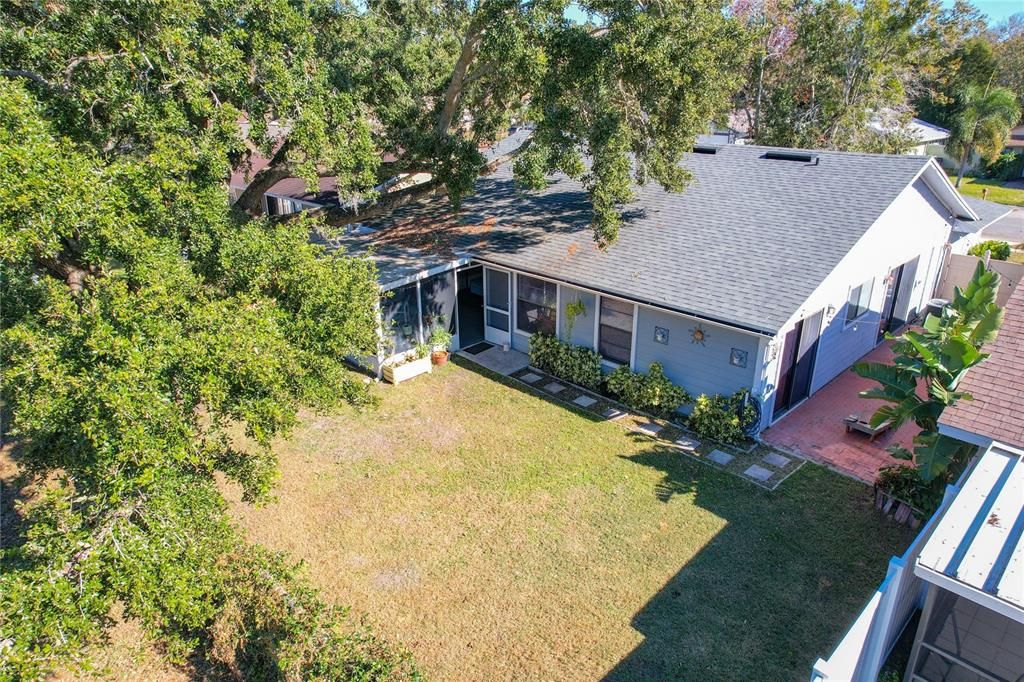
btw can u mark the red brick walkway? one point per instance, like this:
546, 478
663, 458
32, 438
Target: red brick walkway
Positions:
815, 429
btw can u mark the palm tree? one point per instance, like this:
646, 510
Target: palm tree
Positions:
982, 122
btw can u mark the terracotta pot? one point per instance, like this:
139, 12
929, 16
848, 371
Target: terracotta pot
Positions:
439, 357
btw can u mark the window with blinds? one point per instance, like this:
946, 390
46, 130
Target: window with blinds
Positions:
615, 331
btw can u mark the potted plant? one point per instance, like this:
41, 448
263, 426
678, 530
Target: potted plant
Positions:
440, 341
407, 365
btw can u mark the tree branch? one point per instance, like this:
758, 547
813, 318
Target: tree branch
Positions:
470, 46
251, 199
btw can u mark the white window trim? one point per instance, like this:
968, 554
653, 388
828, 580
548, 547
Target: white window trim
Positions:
597, 331
510, 312
857, 320
514, 291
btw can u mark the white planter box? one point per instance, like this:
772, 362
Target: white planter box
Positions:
396, 374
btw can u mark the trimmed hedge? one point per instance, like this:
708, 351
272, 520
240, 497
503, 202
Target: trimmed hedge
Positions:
576, 364
651, 392
721, 418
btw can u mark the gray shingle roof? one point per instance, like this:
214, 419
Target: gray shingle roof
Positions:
988, 213
745, 243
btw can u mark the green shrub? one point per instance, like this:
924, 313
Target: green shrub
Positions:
722, 418
576, 364
1000, 250
904, 482
651, 392
1007, 166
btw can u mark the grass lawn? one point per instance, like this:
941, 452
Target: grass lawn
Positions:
997, 191
502, 536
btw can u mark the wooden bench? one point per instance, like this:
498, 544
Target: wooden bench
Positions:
855, 423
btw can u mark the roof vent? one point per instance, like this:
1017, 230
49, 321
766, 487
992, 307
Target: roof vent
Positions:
705, 149
803, 157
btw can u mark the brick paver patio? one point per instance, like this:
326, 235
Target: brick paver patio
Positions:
816, 431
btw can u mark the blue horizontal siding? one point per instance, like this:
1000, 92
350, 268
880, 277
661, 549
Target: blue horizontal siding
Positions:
699, 368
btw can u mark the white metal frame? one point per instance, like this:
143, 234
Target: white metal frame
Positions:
493, 334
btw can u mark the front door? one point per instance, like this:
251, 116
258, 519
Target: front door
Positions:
497, 306
889, 305
796, 368
470, 308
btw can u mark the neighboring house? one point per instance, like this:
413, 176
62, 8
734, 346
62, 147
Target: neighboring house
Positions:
964, 573
1015, 143
930, 138
773, 271
967, 233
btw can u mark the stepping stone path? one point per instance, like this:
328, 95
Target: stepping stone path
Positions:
554, 387
777, 460
688, 443
612, 413
530, 378
758, 473
723, 458
650, 428
585, 401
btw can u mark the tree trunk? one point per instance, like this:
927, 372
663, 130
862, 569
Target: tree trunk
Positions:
963, 165
251, 200
457, 81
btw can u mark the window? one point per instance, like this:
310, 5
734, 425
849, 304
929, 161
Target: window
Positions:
535, 305
615, 333
859, 301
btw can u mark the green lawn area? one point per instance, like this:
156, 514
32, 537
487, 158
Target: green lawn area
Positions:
499, 535
997, 191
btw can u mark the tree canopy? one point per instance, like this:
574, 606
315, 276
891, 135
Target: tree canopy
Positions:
156, 340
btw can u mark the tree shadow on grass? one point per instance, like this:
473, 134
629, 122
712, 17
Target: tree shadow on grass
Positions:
773, 589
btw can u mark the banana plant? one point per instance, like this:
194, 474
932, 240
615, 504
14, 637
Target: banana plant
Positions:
936, 357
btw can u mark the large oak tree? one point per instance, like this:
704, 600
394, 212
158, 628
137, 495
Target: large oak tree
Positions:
156, 339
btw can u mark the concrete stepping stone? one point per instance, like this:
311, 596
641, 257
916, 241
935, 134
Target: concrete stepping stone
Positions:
612, 413
689, 443
723, 458
554, 387
758, 473
777, 460
530, 378
585, 401
650, 428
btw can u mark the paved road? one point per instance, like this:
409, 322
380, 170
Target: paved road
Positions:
1010, 228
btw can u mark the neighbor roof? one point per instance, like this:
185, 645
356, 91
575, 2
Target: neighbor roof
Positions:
745, 244
988, 213
996, 412
976, 549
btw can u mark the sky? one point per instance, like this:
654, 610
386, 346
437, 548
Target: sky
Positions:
996, 10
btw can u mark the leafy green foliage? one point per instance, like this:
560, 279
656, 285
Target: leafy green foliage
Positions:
152, 341
573, 309
651, 392
981, 122
576, 364
849, 61
905, 483
999, 250
1008, 166
936, 358
725, 419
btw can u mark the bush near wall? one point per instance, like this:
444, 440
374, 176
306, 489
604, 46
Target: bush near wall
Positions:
722, 418
651, 392
1000, 250
575, 364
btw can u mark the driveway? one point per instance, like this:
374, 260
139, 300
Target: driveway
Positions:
1009, 228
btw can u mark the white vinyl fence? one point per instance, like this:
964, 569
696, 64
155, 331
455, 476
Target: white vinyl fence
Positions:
863, 649
959, 269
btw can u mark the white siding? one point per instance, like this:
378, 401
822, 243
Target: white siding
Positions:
916, 224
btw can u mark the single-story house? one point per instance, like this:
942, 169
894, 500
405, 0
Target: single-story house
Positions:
964, 573
773, 271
